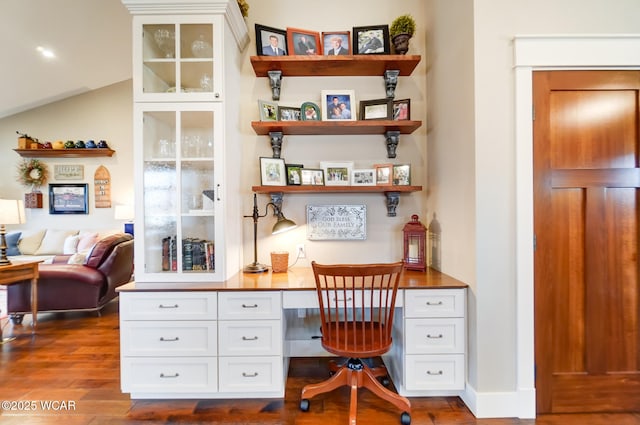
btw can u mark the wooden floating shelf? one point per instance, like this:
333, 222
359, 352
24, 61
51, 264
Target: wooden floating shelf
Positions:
334, 189
334, 66
64, 153
334, 127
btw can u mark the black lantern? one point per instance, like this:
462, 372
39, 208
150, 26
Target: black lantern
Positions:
415, 242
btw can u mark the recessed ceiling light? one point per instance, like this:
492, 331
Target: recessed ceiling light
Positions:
46, 52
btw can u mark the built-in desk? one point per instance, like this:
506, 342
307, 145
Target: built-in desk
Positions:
234, 339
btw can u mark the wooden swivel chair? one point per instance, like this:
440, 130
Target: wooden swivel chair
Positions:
356, 309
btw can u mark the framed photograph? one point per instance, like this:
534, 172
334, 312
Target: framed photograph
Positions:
272, 172
312, 176
309, 111
372, 40
286, 113
336, 43
402, 109
337, 173
303, 42
402, 175
384, 174
68, 198
268, 110
337, 105
294, 174
270, 41
378, 109
363, 177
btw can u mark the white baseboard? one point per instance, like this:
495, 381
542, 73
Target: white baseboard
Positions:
517, 404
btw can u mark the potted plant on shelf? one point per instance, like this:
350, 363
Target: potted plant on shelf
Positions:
400, 31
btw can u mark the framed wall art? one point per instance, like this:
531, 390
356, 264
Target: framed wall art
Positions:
272, 172
372, 40
378, 109
337, 173
337, 105
270, 41
363, 177
336, 222
402, 109
384, 174
303, 42
294, 174
336, 43
68, 198
312, 176
68, 172
402, 174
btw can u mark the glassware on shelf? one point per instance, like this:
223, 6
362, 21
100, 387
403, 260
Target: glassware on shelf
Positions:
201, 48
166, 41
206, 83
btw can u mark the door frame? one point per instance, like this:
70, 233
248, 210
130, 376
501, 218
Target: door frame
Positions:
531, 53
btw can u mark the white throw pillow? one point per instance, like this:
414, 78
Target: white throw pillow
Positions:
53, 241
70, 245
30, 241
77, 258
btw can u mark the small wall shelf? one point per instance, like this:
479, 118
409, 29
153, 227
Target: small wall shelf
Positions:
332, 128
64, 153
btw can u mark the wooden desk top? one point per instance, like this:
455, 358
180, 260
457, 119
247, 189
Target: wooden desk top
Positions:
298, 278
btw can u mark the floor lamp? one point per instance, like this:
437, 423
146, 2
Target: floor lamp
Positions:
11, 212
282, 225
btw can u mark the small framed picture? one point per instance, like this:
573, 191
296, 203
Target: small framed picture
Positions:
363, 177
272, 172
312, 176
286, 113
309, 111
303, 42
270, 41
68, 198
379, 109
337, 173
384, 174
402, 110
336, 43
268, 110
337, 105
402, 175
373, 40
294, 174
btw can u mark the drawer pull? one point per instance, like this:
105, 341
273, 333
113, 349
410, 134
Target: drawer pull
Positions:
342, 300
168, 306
249, 306
162, 375
254, 338
436, 303
439, 336
169, 339
435, 373
249, 375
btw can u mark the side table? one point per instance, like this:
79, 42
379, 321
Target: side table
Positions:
17, 272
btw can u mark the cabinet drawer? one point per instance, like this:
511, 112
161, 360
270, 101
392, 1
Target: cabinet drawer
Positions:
435, 372
250, 337
434, 336
249, 305
251, 374
168, 306
171, 375
162, 338
434, 303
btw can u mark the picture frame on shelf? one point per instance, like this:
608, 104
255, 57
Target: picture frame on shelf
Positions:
303, 42
268, 110
336, 43
337, 105
402, 175
272, 172
309, 111
402, 110
337, 173
68, 198
363, 177
312, 176
294, 174
371, 40
288, 113
376, 109
267, 38
384, 174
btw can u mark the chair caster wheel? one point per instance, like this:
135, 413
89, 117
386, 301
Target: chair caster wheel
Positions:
405, 418
304, 405
385, 381
16, 319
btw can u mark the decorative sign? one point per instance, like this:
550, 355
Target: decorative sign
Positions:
68, 172
336, 222
102, 187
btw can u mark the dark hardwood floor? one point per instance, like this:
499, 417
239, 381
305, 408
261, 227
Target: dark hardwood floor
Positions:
73, 365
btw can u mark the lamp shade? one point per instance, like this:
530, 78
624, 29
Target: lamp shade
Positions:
124, 212
12, 211
283, 224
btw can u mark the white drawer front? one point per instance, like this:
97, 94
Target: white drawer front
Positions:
171, 375
162, 338
251, 374
250, 337
434, 303
168, 306
240, 305
434, 336
435, 372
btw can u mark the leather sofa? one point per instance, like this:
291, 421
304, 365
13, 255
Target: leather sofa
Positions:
71, 287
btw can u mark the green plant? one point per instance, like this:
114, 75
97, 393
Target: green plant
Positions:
244, 7
404, 24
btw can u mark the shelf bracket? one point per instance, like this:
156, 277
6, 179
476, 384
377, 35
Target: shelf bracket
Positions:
276, 143
276, 198
393, 137
391, 81
275, 80
393, 199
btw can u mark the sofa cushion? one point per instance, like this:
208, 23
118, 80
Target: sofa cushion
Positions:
70, 245
86, 241
12, 243
103, 248
30, 241
53, 241
77, 258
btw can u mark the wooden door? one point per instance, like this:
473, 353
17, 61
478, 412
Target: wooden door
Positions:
586, 222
